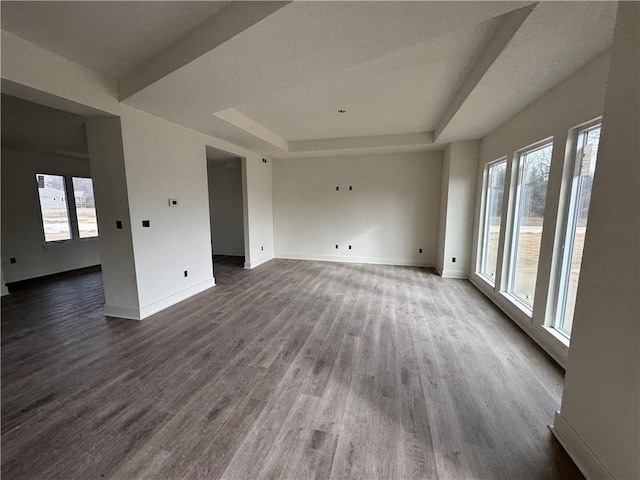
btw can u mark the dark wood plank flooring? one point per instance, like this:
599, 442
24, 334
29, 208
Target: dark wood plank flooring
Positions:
292, 370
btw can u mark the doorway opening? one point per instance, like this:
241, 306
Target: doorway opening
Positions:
226, 211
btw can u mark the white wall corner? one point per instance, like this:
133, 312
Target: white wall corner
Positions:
118, 311
3, 286
585, 458
131, 313
454, 274
178, 297
256, 263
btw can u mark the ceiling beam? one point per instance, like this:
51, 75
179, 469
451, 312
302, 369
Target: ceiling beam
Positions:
409, 142
241, 121
508, 26
222, 26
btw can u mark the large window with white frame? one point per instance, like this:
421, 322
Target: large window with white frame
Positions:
533, 167
85, 207
492, 218
66, 217
583, 169
54, 208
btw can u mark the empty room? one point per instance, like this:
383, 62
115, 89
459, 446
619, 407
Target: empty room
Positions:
320, 239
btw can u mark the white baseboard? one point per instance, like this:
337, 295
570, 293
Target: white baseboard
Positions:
585, 458
454, 274
166, 302
403, 262
118, 311
130, 313
32, 273
258, 262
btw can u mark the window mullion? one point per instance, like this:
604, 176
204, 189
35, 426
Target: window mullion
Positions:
71, 205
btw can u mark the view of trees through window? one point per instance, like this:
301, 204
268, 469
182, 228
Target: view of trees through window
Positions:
55, 205
493, 218
85, 207
524, 238
534, 168
586, 155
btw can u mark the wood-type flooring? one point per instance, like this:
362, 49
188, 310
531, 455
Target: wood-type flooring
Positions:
292, 370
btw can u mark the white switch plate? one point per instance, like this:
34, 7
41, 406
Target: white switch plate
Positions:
173, 202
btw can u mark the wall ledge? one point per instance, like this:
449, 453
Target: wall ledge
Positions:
584, 458
344, 259
540, 334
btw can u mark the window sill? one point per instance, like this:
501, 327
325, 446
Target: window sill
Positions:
486, 279
548, 339
558, 336
516, 302
63, 243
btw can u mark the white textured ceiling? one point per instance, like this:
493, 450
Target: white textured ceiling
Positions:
411, 75
555, 41
405, 91
109, 37
303, 42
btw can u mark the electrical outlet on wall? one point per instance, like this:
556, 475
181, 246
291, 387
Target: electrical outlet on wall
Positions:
453, 259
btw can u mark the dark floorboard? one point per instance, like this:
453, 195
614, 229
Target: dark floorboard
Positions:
291, 370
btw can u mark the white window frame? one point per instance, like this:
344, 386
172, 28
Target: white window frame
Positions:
75, 207
72, 211
568, 231
515, 223
484, 231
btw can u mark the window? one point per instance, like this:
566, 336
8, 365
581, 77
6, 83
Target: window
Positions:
576, 227
531, 193
61, 219
85, 207
54, 209
494, 189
